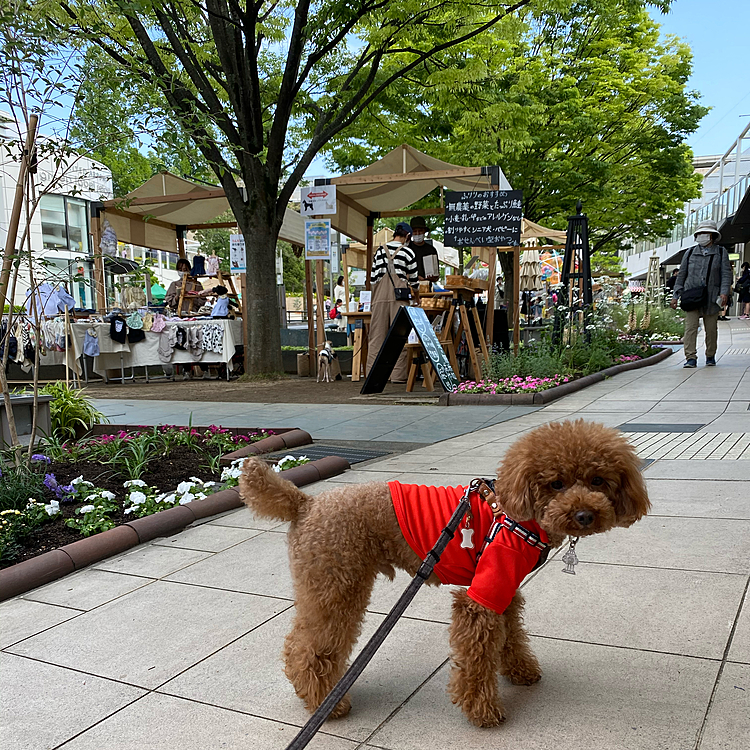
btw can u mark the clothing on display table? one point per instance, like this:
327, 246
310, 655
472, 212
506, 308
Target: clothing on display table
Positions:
212, 265
118, 329
91, 343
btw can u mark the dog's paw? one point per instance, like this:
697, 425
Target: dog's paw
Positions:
524, 674
485, 714
342, 708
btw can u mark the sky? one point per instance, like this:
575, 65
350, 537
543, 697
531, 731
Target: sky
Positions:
717, 31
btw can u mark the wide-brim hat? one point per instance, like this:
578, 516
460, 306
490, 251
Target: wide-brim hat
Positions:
418, 222
709, 225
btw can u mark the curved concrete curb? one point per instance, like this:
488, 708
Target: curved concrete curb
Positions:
27, 575
292, 439
545, 397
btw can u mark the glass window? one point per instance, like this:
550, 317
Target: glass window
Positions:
54, 232
77, 226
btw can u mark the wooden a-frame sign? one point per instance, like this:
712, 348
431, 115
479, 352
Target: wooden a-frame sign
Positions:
398, 334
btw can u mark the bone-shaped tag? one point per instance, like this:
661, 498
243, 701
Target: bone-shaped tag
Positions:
467, 541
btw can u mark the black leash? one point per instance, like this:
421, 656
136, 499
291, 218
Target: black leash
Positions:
363, 659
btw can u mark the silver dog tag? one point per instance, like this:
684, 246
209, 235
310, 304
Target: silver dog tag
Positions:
467, 541
570, 558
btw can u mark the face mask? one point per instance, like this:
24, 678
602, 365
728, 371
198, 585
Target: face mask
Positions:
703, 239
418, 238
182, 273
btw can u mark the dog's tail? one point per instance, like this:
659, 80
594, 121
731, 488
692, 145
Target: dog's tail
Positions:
266, 493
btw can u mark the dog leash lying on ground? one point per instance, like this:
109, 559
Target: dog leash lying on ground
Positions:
570, 479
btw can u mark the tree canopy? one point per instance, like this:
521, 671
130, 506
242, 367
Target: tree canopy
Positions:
583, 102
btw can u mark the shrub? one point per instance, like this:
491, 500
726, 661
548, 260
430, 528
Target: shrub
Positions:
71, 410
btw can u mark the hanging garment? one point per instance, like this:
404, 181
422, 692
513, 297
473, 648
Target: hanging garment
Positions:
180, 338
64, 300
159, 323
108, 242
45, 299
12, 342
118, 329
135, 320
91, 343
195, 341
213, 338
198, 269
212, 265
221, 307
135, 335
166, 347
148, 321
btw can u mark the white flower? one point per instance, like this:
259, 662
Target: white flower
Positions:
80, 480
136, 498
278, 467
108, 495
187, 498
134, 483
168, 498
184, 487
129, 510
196, 480
31, 503
52, 508
86, 508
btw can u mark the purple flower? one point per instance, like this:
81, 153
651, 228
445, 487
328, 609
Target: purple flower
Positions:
50, 482
40, 457
66, 493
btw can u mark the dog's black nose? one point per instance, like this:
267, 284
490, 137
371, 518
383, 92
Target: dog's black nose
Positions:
584, 517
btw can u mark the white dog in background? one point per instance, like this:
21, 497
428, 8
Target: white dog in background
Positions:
325, 357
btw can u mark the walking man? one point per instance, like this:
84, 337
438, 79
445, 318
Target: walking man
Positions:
702, 288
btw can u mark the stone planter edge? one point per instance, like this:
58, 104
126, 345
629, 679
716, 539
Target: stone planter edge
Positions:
546, 397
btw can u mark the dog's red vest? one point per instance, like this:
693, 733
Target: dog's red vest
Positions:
423, 513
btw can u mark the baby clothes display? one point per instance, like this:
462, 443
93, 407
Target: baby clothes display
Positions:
108, 242
48, 300
134, 320
212, 265
148, 321
53, 334
198, 269
221, 307
166, 344
195, 341
159, 323
180, 337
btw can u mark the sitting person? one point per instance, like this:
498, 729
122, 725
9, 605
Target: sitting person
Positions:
194, 291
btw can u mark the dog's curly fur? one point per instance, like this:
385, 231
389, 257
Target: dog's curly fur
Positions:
339, 542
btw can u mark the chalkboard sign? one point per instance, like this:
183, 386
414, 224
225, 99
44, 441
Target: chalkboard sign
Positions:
483, 218
406, 319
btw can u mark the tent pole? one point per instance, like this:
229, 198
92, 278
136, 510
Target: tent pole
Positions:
180, 231
310, 319
370, 228
516, 299
320, 316
96, 235
489, 324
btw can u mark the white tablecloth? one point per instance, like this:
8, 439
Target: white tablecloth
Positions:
146, 352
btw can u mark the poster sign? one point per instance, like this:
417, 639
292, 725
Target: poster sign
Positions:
320, 199
409, 319
237, 259
317, 239
483, 218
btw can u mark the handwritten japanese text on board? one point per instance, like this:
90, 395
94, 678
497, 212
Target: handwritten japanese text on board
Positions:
483, 218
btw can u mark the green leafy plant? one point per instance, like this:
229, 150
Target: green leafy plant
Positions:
71, 410
96, 515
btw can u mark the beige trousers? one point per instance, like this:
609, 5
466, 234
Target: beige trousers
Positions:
711, 325
384, 309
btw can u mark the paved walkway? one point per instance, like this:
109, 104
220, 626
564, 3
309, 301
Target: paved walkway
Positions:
176, 644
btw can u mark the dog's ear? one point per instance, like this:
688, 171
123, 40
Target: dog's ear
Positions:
632, 497
515, 486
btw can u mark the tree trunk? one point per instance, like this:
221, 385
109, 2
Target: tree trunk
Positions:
506, 263
261, 324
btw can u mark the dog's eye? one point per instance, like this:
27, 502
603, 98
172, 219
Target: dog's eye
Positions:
596, 481
557, 485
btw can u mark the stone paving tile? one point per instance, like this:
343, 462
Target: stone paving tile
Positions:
430, 603
433, 479
162, 721
717, 546
257, 566
86, 589
244, 518
672, 611
152, 634
590, 698
248, 675
728, 722
44, 705
701, 470
151, 561
698, 499
208, 538
21, 618
740, 648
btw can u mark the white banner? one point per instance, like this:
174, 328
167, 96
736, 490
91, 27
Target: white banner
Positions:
318, 200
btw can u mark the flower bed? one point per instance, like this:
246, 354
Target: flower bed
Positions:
72, 490
515, 384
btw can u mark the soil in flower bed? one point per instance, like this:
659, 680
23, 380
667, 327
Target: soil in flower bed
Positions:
164, 474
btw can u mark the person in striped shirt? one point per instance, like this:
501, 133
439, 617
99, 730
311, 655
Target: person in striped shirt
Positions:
393, 267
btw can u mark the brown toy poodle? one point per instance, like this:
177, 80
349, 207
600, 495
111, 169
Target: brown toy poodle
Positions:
561, 479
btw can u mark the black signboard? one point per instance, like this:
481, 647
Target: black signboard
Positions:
483, 218
398, 334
